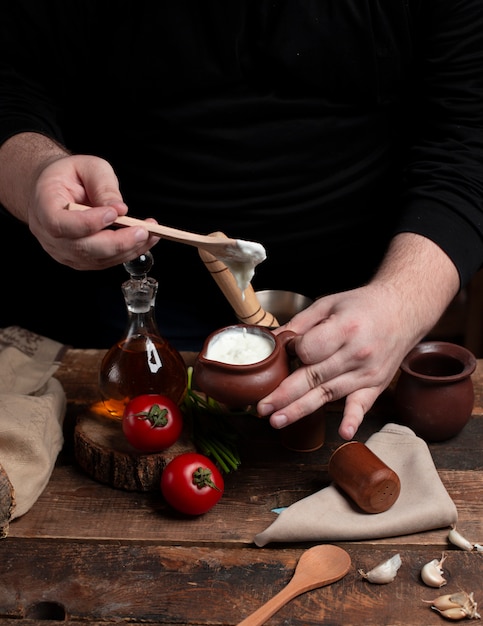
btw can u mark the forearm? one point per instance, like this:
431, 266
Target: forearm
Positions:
22, 158
423, 277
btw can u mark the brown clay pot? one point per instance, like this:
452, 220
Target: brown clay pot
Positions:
305, 435
238, 386
434, 393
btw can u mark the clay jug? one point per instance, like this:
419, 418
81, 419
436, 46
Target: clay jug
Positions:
238, 385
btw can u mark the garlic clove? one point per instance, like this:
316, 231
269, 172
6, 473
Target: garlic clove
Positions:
458, 600
448, 601
383, 573
458, 540
455, 606
453, 613
432, 573
470, 606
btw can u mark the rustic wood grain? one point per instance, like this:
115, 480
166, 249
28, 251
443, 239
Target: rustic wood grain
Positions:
89, 553
73, 506
192, 585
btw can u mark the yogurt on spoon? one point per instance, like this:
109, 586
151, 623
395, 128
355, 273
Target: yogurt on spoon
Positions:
242, 261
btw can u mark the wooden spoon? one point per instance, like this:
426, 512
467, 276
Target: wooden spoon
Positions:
224, 248
318, 566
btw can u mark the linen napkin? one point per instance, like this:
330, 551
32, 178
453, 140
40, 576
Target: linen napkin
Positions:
330, 515
32, 409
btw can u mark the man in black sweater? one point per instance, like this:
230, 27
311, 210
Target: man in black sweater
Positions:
345, 136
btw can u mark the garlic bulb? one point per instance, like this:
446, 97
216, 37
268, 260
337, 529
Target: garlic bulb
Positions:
432, 573
458, 540
455, 606
383, 573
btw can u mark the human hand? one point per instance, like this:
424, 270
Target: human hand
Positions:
350, 345
80, 239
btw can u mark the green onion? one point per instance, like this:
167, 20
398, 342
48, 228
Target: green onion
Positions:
211, 432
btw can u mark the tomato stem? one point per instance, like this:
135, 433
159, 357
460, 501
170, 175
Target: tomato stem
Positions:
156, 415
202, 478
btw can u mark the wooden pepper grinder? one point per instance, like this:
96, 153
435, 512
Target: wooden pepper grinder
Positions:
364, 477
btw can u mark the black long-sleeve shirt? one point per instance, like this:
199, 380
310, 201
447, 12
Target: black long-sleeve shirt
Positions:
318, 127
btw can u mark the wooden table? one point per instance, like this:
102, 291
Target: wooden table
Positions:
86, 552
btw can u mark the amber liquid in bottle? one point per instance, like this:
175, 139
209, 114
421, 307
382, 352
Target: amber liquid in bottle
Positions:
143, 364
142, 361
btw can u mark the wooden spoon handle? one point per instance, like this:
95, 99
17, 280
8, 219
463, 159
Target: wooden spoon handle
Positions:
265, 612
167, 232
246, 305
318, 566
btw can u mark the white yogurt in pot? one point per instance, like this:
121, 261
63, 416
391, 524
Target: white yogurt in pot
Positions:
237, 346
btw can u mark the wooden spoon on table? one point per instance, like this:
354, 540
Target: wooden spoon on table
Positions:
317, 567
224, 248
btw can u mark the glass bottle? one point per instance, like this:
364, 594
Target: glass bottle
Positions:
142, 361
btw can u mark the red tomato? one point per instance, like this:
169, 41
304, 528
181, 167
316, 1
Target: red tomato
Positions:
191, 483
152, 422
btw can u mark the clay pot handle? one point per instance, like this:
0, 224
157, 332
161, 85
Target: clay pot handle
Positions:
286, 340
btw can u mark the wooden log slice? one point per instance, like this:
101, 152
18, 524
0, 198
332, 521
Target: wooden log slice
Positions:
7, 502
103, 452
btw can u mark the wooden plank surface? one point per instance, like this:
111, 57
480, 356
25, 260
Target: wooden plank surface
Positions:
94, 554
193, 585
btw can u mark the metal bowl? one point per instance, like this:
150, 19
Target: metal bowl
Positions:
282, 304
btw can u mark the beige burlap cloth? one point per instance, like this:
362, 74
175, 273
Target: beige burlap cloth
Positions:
329, 515
32, 409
